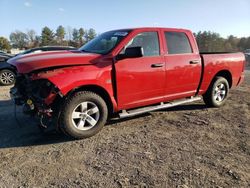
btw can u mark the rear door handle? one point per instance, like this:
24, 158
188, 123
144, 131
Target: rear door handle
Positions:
156, 65
194, 62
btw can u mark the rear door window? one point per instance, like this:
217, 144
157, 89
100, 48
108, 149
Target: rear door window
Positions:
177, 43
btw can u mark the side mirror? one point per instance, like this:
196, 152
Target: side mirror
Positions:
132, 52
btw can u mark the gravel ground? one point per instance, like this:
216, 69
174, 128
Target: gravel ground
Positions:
185, 146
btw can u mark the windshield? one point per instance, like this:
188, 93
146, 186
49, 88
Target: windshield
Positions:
105, 42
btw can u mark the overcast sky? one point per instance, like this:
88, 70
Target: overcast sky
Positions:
223, 16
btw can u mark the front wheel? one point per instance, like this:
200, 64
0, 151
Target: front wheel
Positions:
83, 115
217, 92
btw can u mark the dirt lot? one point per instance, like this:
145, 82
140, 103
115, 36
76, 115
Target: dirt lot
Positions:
186, 146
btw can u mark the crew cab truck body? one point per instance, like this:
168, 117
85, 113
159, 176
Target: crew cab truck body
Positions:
122, 73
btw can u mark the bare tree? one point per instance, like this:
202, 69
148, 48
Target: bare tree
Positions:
19, 39
31, 34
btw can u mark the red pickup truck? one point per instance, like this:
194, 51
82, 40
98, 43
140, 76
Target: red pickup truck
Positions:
122, 73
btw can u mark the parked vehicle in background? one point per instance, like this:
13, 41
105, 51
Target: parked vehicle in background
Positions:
7, 72
2, 53
247, 53
122, 73
46, 49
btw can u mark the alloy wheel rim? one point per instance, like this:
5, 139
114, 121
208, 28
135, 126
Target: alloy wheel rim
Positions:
220, 92
7, 78
85, 116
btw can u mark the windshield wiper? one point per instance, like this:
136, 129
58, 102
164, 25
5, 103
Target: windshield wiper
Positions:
92, 52
86, 51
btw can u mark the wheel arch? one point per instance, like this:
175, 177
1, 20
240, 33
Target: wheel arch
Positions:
9, 69
225, 74
98, 90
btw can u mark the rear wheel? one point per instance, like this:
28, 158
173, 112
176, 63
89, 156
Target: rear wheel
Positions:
217, 92
7, 77
84, 114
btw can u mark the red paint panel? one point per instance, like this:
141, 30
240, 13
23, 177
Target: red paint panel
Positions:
214, 63
182, 78
138, 84
31, 62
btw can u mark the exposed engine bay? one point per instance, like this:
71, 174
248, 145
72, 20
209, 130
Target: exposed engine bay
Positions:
36, 96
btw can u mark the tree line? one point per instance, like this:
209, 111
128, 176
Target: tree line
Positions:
212, 42
61, 37
207, 41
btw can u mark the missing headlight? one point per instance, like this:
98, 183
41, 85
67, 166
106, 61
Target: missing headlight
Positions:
42, 88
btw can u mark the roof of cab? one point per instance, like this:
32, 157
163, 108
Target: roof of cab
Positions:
148, 28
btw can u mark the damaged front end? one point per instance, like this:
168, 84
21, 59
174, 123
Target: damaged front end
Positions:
37, 96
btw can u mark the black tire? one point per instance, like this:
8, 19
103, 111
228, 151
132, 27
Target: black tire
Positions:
74, 103
214, 97
7, 77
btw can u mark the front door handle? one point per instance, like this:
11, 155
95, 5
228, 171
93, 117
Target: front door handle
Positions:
156, 65
194, 62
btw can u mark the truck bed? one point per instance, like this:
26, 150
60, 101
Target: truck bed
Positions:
213, 63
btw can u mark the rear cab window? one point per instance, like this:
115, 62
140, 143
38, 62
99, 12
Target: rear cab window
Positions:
177, 43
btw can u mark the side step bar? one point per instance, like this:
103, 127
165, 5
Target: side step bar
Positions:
130, 113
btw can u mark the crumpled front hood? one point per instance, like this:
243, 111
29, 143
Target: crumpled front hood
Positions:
32, 62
